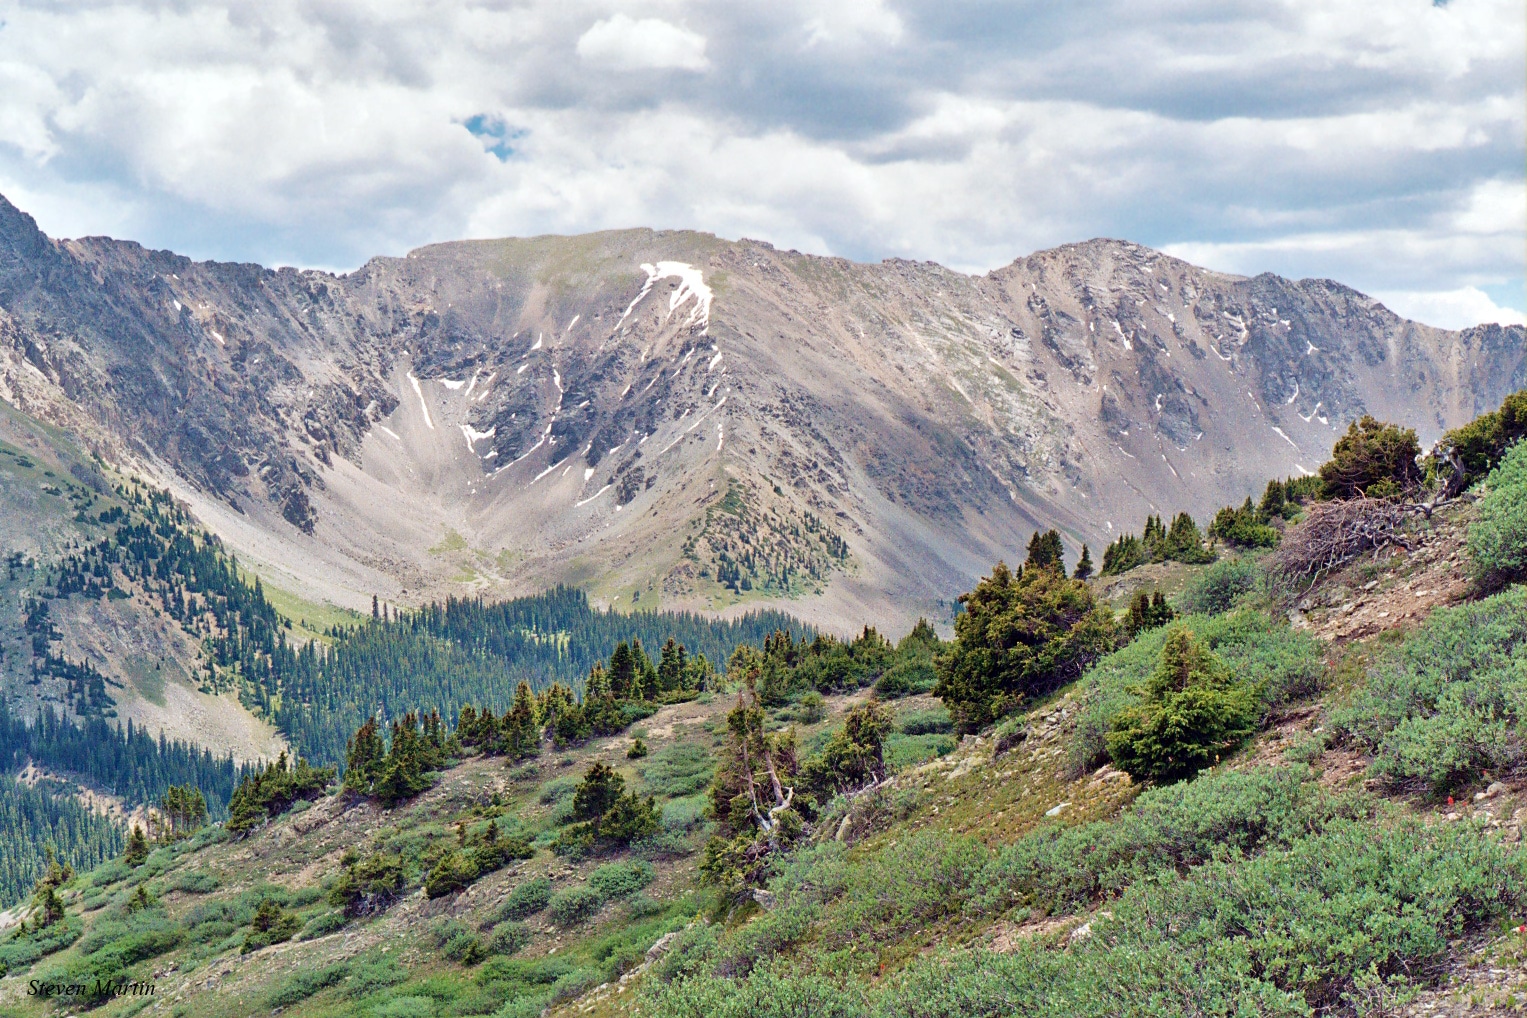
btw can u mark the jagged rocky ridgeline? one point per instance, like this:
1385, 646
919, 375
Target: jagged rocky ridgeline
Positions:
680, 420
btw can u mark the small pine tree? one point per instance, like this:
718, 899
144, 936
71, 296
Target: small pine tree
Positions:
522, 734
1154, 537
1274, 501
1045, 551
1147, 611
137, 847
1083, 565
1191, 714
598, 790
1184, 542
1123, 555
623, 676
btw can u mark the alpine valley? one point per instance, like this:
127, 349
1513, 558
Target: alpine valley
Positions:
644, 623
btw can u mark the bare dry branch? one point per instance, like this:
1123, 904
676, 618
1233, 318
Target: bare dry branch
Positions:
1334, 533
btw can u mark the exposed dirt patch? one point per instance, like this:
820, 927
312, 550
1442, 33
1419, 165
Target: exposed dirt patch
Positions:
1398, 588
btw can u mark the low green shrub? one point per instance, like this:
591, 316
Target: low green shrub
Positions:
686, 814
640, 906
302, 897
557, 789
1095, 981
1498, 538
211, 921
1337, 920
193, 882
764, 994
524, 901
372, 974
104, 955
509, 938
1055, 870
458, 942
575, 984
907, 677
879, 897
619, 879
769, 934
573, 906
902, 751
299, 986
677, 770
322, 925
19, 950
925, 722
1219, 588
692, 951
1451, 700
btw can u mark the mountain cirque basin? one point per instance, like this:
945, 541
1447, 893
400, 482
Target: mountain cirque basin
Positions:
669, 419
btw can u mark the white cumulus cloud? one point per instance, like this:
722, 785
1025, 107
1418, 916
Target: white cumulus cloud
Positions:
1451, 309
624, 43
1379, 145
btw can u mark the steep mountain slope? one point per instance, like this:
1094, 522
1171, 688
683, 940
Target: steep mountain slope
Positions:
669, 418
54, 500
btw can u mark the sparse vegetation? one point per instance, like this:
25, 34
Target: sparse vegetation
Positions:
746, 547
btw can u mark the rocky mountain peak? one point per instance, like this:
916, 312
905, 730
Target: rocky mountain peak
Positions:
678, 419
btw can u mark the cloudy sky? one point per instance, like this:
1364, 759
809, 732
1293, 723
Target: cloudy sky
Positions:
1378, 142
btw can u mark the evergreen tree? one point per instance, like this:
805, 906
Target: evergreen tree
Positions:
673, 668
610, 815
1373, 458
137, 848
1153, 538
854, 755
1083, 565
182, 811
1045, 551
364, 755
1147, 611
1019, 635
1192, 712
753, 798
522, 730
1274, 501
271, 790
1184, 543
1124, 554
623, 674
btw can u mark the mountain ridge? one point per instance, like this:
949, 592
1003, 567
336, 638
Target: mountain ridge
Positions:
495, 416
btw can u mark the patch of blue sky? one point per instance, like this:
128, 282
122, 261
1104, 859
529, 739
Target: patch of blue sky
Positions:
497, 137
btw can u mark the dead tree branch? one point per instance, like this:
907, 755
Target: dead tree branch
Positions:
1334, 533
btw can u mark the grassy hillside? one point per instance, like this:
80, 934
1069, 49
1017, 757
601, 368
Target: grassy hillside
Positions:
1295, 786
1322, 868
